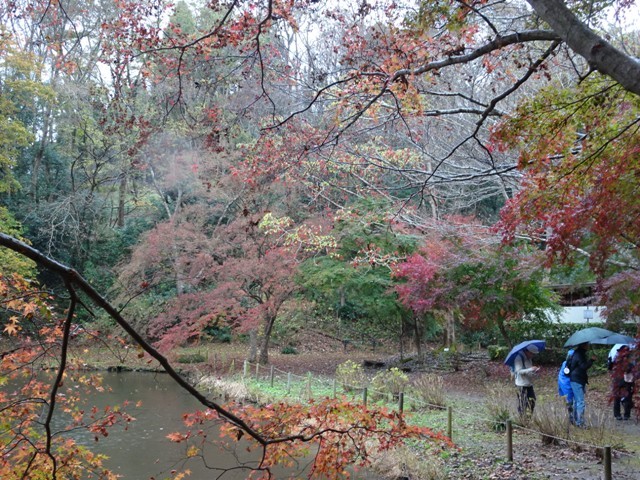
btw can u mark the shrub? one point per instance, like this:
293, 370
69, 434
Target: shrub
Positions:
393, 381
351, 375
218, 334
197, 357
552, 356
289, 350
429, 388
497, 352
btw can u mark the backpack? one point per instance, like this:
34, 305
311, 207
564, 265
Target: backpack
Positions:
566, 365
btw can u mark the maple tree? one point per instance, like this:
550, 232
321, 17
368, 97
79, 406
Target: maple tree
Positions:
472, 277
34, 339
579, 194
343, 436
390, 83
245, 281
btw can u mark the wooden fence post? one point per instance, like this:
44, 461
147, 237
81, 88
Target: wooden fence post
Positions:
401, 403
271, 376
509, 441
364, 396
288, 383
245, 370
450, 422
606, 460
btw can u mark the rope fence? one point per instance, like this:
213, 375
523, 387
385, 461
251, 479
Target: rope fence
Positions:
302, 388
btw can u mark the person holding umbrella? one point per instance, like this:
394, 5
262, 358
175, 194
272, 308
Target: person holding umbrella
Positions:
524, 373
579, 377
580, 364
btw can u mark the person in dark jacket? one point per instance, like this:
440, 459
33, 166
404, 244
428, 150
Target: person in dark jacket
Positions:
623, 383
579, 377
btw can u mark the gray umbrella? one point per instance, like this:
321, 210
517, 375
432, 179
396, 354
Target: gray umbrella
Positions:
588, 335
613, 339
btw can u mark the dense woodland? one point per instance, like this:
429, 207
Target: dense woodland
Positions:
399, 170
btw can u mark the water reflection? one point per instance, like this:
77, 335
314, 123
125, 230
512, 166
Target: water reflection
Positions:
143, 451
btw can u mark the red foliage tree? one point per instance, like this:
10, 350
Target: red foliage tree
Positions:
473, 277
579, 192
245, 288
34, 338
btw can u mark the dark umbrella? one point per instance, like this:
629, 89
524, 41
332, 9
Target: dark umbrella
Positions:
588, 335
541, 344
613, 339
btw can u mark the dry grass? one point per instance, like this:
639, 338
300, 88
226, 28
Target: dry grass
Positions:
226, 388
406, 463
551, 419
502, 406
429, 389
599, 431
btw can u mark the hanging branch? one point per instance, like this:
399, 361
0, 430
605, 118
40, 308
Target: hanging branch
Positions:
73, 279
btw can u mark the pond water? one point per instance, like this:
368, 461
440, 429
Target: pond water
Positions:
143, 451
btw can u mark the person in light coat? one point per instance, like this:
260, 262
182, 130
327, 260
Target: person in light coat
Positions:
524, 374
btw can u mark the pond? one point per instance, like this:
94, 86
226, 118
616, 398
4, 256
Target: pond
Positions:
143, 451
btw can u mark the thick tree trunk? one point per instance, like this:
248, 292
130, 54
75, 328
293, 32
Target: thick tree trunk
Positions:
449, 321
266, 338
417, 336
36, 164
503, 332
600, 54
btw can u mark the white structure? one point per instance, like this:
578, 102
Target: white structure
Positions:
588, 314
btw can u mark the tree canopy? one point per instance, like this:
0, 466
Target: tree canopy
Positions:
203, 164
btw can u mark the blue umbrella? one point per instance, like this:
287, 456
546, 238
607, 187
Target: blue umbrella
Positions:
541, 344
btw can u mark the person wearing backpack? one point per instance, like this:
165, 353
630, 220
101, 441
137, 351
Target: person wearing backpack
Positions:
564, 385
524, 372
579, 377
